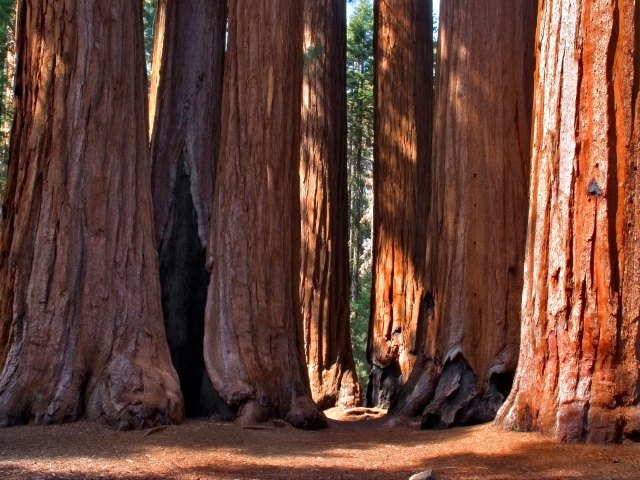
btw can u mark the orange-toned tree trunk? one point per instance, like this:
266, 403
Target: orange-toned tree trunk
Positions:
185, 102
324, 279
402, 150
478, 211
578, 375
81, 329
253, 328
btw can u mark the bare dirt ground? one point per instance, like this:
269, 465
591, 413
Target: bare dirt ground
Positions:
364, 449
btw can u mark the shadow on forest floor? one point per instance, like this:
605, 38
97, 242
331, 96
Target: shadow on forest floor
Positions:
203, 449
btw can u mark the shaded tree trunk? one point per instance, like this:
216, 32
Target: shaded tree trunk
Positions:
185, 100
324, 279
477, 224
253, 341
578, 375
80, 316
403, 104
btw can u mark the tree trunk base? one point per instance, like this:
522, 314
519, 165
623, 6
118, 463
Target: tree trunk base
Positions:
418, 390
303, 414
450, 396
384, 385
127, 395
338, 388
458, 400
572, 423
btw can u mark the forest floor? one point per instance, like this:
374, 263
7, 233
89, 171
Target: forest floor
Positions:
370, 448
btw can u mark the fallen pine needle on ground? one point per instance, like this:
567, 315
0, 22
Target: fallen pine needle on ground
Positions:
352, 448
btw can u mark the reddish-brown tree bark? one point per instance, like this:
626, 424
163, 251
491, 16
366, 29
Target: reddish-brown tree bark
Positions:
324, 280
253, 328
403, 105
578, 375
186, 99
80, 317
477, 224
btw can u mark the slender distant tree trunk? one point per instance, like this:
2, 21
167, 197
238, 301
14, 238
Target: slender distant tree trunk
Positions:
578, 375
402, 151
186, 100
324, 279
357, 201
478, 213
253, 328
80, 316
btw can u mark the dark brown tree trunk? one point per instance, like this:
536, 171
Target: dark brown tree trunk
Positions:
186, 98
477, 225
578, 375
253, 328
402, 151
324, 280
80, 316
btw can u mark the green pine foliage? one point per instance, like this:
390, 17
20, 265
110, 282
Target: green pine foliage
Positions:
148, 17
7, 17
360, 108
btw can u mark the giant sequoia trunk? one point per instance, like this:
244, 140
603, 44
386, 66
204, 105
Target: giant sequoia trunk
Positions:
80, 317
402, 150
477, 225
324, 280
185, 100
578, 375
253, 328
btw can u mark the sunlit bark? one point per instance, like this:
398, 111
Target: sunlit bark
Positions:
578, 375
402, 152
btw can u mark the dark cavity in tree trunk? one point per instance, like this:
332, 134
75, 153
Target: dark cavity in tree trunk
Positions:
185, 280
185, 103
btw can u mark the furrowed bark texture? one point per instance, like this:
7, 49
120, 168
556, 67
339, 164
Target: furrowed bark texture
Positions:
253, 327
578, 373
402, 151
324, 280
81, 328
477, 225
186, 100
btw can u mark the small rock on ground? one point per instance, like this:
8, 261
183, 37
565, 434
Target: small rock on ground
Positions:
426, 475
